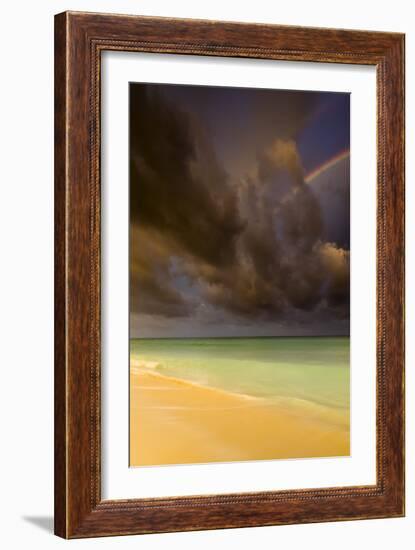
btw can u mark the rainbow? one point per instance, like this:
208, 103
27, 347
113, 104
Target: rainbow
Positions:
327, 164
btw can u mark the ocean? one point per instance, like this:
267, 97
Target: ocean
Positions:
309, 370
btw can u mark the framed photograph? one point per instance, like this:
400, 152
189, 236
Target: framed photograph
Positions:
229, 275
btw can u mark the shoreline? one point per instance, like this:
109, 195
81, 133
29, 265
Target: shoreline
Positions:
141, 370
290, 402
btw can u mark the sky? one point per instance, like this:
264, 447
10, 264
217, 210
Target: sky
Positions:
239, 212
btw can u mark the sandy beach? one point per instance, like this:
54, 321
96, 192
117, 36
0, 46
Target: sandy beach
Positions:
174, 421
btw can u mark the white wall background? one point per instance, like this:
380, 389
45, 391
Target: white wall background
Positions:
26, 273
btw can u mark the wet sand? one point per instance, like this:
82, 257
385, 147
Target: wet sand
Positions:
174, 421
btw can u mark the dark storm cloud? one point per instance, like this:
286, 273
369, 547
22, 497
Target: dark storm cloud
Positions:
253, 248
281, 261
337, 263
176, 183
151, 291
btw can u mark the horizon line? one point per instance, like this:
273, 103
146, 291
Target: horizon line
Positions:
237, 337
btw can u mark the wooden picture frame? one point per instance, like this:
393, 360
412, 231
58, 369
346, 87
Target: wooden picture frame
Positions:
79, 40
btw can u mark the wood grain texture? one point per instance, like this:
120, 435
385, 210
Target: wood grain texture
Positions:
60, 278
79, 40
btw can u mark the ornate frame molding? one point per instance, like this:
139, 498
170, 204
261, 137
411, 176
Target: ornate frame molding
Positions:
79, 40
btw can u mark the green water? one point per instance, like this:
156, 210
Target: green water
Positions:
311, 369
